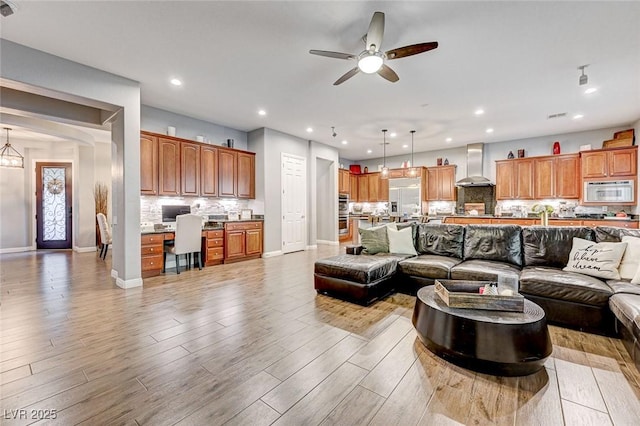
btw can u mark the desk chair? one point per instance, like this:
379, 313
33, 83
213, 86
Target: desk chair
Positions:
188, 240
105, 234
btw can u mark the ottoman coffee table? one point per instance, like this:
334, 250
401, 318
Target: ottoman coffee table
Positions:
495, 342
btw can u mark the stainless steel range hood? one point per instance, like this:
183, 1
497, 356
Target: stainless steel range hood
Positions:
475, 154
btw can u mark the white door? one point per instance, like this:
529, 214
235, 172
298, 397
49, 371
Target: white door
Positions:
294, 203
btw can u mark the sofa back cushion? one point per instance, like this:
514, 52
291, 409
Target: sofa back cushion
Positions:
440, 239
609, 234
494, 242
551, 245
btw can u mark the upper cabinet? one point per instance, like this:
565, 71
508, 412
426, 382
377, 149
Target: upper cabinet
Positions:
237, 174
610, 163
369, 188
514, 179
557, 176
168, 167
441, 183
208, 171
148, 164
246, 175
190, 168
353, 188
344, 181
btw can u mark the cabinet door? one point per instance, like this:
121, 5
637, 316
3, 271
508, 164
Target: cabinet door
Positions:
344, 184
148, 164
246, 185
253, 244
524, 179
623, 162
169, 167
363, 188
353, 190
208, 171
432, 184
544, 172
383, 190
594, 164
190, 168
504, 180
234, 244
567, 176
227, 180
374, 186
396, 173
447, 184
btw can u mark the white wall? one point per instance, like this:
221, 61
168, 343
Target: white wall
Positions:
323, 223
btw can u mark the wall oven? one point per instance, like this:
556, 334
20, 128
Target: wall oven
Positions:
618, 191
343, 214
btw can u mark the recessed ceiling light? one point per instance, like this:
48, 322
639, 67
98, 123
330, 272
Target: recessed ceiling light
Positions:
479, 111
392, 134
176, 82
489, 130
590, 90
448, 139
405, 146
309, 129
369, 151
578, 116
344, 142
262, 112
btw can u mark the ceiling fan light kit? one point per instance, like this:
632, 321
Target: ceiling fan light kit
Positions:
372, 60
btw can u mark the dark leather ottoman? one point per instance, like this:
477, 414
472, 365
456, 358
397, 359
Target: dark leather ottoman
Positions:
362, 279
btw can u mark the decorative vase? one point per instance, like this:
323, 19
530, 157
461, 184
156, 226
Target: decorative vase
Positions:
366, 169
446, 161
510, 156
556, 148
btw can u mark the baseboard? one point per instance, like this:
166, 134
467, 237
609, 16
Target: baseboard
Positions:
114, 274
17, 249
84, 249
312, 247
135, 282
328, 243
272, 253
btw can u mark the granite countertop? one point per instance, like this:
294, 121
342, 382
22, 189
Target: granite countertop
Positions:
211, 225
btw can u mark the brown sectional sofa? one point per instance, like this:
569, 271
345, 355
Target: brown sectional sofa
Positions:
535, 254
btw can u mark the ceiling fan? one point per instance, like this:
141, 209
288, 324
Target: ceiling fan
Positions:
371, 60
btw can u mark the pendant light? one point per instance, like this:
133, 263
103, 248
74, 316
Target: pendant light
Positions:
413, 171
384, 174
9, 157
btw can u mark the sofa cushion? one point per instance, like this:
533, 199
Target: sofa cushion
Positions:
494, 242
631, 259
557, 284
551, 245
614, 235
429, 266
626, 307
623, 286
440, 239
595, 259
482, 270
401, 241
362, 268
374, 240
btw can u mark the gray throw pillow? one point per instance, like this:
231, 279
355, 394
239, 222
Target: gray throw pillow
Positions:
374, 240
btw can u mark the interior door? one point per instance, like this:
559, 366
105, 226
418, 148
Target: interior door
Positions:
294, 202
53, 206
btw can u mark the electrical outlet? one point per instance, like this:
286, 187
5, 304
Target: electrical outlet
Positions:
604, 209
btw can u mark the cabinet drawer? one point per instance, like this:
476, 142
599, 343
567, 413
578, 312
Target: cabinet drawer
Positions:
151, 239
150, 263
216, 253
243, 226
215, 242
570, 223
169, 236
151, 250
215, 234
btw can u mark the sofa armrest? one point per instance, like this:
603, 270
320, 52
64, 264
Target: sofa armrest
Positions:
353, 249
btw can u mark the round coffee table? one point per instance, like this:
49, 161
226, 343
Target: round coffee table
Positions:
494, 342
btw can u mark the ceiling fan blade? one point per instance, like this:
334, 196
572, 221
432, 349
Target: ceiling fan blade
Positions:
347, 76
387, 73
414, 49
376, 31
336, 55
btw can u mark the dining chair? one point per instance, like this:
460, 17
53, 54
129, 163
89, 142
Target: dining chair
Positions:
188, 239
105, 234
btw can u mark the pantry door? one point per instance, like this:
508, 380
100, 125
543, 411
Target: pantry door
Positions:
53, 205
294, 202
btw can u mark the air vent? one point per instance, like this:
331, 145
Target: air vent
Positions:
558, 115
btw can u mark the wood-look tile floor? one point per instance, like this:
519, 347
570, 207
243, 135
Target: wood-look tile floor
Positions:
252, 344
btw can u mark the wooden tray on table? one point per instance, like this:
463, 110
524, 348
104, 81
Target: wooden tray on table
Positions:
465, 295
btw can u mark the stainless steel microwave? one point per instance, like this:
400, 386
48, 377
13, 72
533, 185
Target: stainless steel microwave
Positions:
614, 191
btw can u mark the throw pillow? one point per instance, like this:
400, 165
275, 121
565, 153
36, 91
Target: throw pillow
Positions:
631, 259
636, 277
595, 259
401, 242
374, 240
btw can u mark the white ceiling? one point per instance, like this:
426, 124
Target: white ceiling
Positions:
516, 60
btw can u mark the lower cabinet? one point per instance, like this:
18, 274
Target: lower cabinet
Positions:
213, 247
151, 252
242, 241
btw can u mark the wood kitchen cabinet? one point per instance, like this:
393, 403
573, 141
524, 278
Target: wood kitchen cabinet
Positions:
610, 163
246, 175
227, 177
363, 188
151, 246
242, 241
374, 187
208, 171
383, 189
344, 181
557, 176
353, 188
168, 166
514, 179
213, 247
441, 183
148, 164
190, 168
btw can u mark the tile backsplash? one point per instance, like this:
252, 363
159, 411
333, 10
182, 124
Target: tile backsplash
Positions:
151, 206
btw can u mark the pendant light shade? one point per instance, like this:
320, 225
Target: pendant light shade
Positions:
9, 157
384, 174
413, 171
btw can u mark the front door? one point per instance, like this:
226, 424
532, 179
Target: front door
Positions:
294, 202
53, 205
